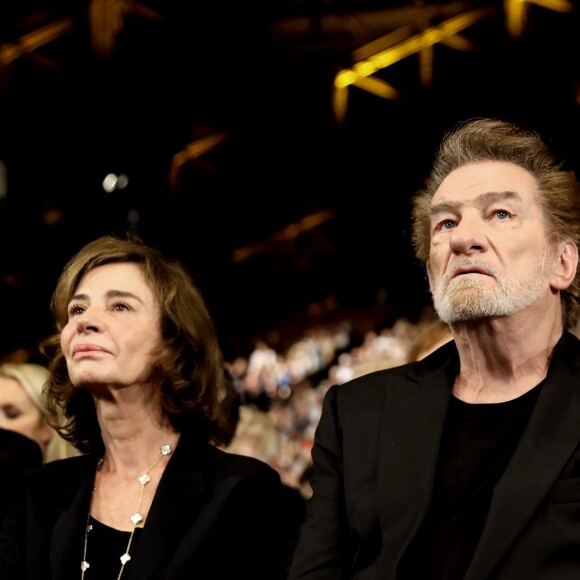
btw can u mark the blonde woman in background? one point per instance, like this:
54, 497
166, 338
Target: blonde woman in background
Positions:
22, 408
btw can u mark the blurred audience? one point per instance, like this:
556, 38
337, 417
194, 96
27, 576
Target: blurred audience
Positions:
288, 386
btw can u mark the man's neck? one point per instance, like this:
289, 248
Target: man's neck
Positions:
501, 359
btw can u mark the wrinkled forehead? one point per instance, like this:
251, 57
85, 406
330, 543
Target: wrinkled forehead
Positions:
470, 181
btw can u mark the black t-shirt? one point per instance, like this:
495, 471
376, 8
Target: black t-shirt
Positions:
477, 443
105, 546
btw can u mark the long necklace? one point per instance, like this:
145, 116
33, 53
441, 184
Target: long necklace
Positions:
136, 518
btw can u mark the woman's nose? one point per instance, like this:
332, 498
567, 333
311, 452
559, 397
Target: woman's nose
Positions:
86, 323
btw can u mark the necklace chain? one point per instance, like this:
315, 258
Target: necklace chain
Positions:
136, 518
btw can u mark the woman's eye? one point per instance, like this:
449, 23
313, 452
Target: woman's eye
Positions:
120, 306
12, 412
75, 310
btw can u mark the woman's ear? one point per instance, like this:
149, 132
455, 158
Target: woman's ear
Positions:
565, 270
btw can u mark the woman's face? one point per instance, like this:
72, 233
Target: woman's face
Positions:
18, 413
112, 338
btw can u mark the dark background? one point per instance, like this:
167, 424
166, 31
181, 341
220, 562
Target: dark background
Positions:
260, 74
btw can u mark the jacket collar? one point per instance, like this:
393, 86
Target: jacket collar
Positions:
72, 503
174, 507
405, 479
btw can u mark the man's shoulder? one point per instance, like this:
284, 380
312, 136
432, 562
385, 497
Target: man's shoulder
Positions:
378, 378
377, 383
435, 363
369, 390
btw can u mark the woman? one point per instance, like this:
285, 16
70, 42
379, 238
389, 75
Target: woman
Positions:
23, 408
137, 373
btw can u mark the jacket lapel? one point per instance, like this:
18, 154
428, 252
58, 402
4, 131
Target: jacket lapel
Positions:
69, 530
413, 418
549, 439
176, 503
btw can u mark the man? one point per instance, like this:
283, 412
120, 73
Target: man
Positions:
466, 464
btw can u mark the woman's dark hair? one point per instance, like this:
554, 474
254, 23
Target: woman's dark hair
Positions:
195, 391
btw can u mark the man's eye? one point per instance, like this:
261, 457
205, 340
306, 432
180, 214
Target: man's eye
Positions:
447, 224
502, 214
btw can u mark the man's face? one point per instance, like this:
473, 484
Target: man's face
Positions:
489, 253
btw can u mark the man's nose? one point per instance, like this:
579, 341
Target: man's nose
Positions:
468, 236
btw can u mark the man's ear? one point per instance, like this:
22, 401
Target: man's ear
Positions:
565, 270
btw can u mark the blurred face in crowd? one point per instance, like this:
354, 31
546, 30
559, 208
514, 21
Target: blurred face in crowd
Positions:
112, 337
19, 413
489, 253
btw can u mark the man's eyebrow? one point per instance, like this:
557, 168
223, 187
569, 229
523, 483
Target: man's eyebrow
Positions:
444, 207
482, 199
109, 294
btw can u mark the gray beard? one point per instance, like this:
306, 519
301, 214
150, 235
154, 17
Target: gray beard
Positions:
468, 298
